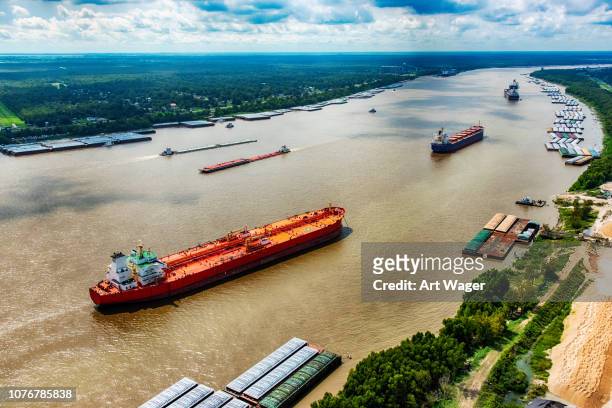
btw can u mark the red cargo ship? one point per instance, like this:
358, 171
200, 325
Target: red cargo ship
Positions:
240, 162
141, 276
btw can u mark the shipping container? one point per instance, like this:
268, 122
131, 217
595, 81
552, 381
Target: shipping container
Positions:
286, 394
170, 394
254, 373
193, 397
259, 389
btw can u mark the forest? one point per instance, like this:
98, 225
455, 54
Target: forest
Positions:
75, 95
421, 371
592, 86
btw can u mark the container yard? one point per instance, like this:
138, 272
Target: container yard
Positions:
70, 144
499, 235
277, 381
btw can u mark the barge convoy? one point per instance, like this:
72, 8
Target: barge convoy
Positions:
278, 381
142, 276
239, 162
442, 143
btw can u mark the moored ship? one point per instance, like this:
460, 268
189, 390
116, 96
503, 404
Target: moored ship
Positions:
142, 276
442, 143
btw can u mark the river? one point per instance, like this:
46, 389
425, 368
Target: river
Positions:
63, 214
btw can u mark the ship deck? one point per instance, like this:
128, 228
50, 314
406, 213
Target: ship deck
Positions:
236, 245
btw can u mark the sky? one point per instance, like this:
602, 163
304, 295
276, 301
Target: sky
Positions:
76, 26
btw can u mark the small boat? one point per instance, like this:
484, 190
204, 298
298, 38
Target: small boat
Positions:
372, 110
108, 144
167, 152
229, 125
531, 202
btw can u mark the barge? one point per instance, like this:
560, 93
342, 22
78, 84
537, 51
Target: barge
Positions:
170, 152
142, 276
499, 235
277, 381
239, 162
442, 143
50, 146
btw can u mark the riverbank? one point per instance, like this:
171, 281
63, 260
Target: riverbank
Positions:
581, 371
504, 379
94, 202
582, 363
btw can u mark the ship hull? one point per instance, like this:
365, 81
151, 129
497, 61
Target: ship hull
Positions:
222, 272
453, 147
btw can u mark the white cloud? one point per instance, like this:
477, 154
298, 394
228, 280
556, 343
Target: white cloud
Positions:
19, 11
251, 25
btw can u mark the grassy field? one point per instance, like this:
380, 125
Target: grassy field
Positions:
7, 118
603, 85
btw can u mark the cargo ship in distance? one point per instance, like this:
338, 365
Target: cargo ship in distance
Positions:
239, 162
511, 93
442, 143
142, 276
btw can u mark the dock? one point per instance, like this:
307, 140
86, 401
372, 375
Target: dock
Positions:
277, 381
500, 234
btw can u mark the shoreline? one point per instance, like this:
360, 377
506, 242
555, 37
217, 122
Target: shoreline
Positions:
385, 87
602, 376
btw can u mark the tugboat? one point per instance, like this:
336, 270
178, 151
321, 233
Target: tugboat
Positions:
229, 125
167, 152
372, 110
531, 202
511, 93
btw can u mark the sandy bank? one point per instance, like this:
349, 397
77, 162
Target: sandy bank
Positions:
582, 363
